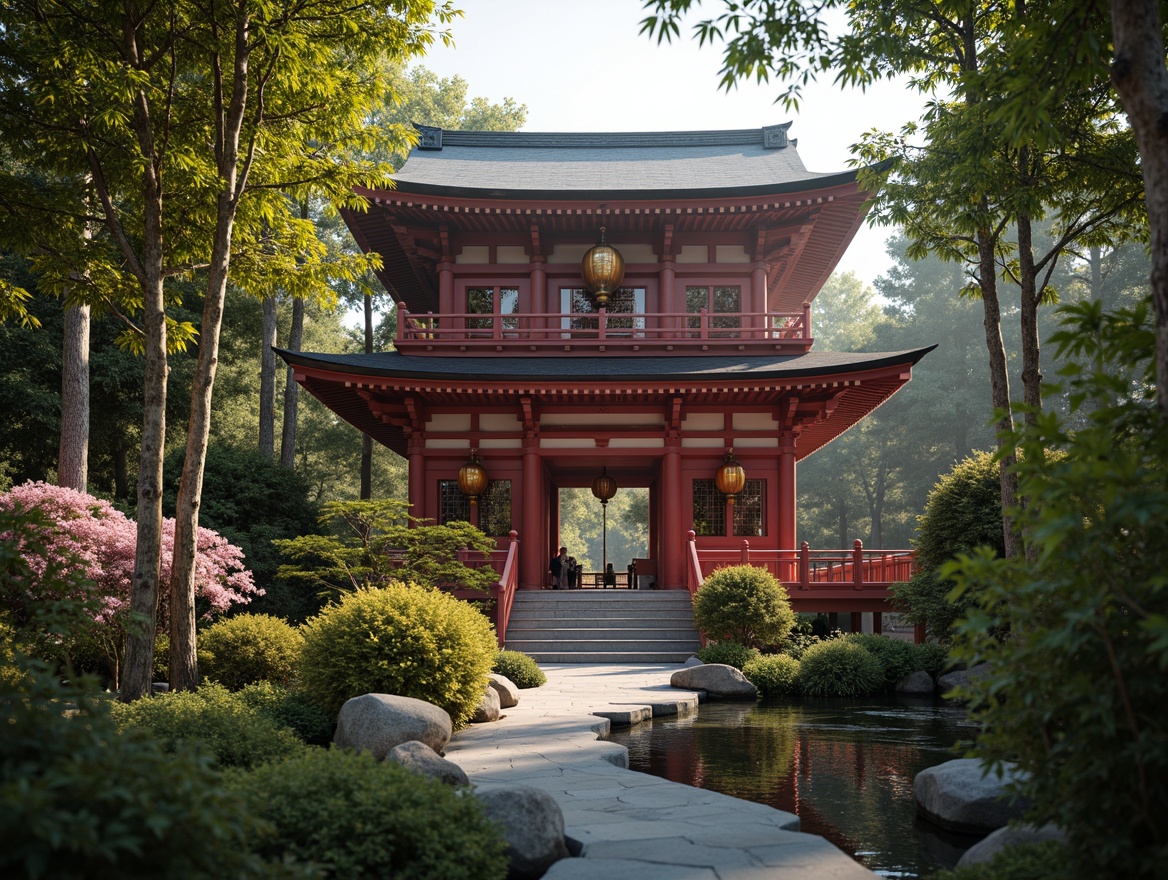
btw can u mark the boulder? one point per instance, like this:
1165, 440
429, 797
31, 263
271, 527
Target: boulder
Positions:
375, 723
420, 758
918, 682
533, 826
505, 688
488, 708
1011, 835
692, 661
958, 797
716, 679
960, 678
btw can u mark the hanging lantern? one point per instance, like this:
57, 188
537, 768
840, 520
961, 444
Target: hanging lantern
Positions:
604, 487
730, 478
603, 268
472, 479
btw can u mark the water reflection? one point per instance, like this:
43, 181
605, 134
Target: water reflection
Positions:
845, 767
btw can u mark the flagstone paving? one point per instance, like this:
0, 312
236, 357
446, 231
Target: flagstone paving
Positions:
628, 825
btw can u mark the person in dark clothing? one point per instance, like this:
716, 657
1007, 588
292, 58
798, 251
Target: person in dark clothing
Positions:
559, 569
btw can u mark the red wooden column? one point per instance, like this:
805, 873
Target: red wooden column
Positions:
786, 532
667, 291
671, 565
758, 295
416, 453
532, 566
538, 294
446, 303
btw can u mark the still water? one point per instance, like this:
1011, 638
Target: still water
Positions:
845, 767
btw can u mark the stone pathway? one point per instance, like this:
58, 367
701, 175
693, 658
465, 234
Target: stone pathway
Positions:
628, 825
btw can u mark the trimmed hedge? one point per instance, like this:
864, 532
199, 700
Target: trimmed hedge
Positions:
744, 604
775, 675
520, 669
357, 817
896, 658
241, 650
399, 639
291, 709
730, 653
839, 668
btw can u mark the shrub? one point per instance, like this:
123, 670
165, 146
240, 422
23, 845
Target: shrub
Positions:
361, 818
222, 722
839, 668
744, 604
775, 675
896, 658
291, 709
78, 799
1043, 861
401, 639
247, 648
932, 657
797, 644
731, 653
521, 669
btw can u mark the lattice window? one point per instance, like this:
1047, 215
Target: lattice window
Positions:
491, 302
709, 509
453, 505
628, 301
495, 508
750, 509
724, 305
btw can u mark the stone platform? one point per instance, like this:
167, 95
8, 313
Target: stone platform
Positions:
628, 825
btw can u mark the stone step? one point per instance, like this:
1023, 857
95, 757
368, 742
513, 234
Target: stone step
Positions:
547, 618
579, 631
610, 657
601, 646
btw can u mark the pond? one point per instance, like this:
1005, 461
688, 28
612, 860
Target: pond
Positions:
845, 767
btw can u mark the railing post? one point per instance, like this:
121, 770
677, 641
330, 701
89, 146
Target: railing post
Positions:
403, 322
705, 323
804, 566
858, 564
806, 320
745, 555
602, 322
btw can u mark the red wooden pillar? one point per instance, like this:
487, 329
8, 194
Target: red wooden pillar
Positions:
758, 297
667, 291
786, 531
416, 452
533, 568
671, 566
446, 303
538, 295
878, 623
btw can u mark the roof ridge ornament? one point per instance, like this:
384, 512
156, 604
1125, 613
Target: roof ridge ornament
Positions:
429, 137
774, 137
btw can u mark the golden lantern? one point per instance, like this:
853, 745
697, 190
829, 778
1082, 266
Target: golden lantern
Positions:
604, 487
603, 268
730, 478
472, 479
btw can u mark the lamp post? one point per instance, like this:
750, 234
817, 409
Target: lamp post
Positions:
604, 487
730, 479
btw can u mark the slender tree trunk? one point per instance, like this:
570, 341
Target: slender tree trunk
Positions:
73, 457
121, 470
292, 389
1031, 346
1141, 79
366, 440
268, 379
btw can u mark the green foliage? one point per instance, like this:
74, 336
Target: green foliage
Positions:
744, 604
400, 639
797, 644
370, 544
964, 511
80, 799
521, 669
730, 653
237, 651
1044, 861
839, 668
775, 675
1077, 694
224, 723
896, 658
357, 817
291, 709
932, 657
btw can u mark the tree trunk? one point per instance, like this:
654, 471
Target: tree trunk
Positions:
73, 457
366, 440
121, 470
1030, 296
268, 379
1141, 79
292, 389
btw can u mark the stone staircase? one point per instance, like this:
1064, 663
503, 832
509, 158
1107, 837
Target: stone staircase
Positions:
603, 626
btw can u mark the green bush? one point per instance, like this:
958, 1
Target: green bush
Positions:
240, 650
222, 722
963, 511
932, 657
521, 669
400, 639
731, 653
839, 668
797, 644
361, 818
897, 659
744, 604
79, 799
291, 709
775, 675
1043, 861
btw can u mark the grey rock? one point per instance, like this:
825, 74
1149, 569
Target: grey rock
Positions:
692, 661
716, 679
918, 682
160, 687
420, 758
375, 723
488, 708
956, 796
533, 826
960, 678
1011, 835
505, 688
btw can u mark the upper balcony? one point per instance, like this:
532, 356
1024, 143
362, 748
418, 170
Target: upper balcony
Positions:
584, 333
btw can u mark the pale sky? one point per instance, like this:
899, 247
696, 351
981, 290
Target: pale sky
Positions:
581, 65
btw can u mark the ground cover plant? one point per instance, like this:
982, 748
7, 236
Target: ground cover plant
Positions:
522, 670
839, 668
775, 675
730, 653
744, 604
399, 639
292, 709
247, 648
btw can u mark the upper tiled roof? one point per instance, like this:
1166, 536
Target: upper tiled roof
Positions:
584, 164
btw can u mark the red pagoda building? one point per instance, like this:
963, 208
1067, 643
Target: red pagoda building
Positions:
524, 348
